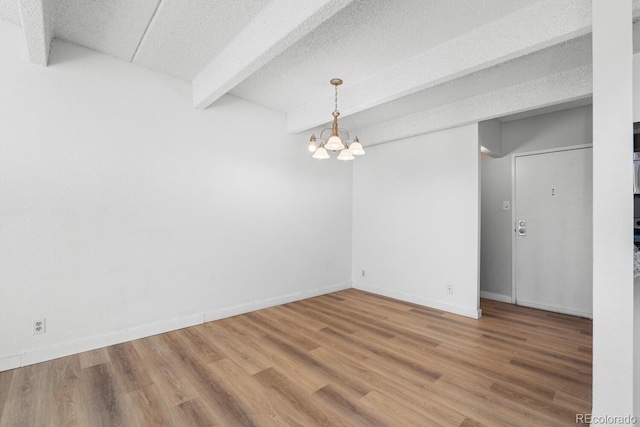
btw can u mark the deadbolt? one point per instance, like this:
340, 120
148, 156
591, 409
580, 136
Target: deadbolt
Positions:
521, 227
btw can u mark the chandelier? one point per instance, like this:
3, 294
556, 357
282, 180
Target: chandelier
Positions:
339, 140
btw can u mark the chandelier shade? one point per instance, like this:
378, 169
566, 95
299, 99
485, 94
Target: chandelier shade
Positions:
345, 155
334, 143
336, 139
321, 153
356, 148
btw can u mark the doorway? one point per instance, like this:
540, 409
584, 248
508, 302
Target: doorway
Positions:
552, 256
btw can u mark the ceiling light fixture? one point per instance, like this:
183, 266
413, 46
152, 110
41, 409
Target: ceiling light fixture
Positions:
339, 140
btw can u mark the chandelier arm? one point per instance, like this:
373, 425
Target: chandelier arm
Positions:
322, 132
345, 131
331, 129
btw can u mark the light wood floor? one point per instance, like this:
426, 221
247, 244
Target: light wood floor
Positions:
348, 358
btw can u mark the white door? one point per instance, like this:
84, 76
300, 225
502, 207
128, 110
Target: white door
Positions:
553, 233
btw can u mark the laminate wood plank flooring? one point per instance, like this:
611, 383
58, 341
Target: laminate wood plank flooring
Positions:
345, 359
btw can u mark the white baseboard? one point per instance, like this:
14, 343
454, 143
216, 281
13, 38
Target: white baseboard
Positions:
271, 302
11, 362
427, 302
142, 331
495, 297
555, 309
91, 343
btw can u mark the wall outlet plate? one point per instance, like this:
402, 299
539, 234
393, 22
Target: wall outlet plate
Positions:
39, 326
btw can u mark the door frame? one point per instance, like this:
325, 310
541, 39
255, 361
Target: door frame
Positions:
513, 203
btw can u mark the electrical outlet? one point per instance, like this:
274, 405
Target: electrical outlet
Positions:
39, 326
363, 275
450, 289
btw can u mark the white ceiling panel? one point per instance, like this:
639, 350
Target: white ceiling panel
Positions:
361, 40
113, 27
9, 11
185, 35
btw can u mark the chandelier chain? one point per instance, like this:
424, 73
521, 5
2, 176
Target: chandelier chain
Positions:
336, 98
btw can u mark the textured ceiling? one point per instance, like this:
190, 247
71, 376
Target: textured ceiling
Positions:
114, 27
403, 62
185, 35
360, 41
553, 60
9, 11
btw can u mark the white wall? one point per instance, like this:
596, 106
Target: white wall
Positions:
636, 284
125, 212
613, 298
416, 219
546, 131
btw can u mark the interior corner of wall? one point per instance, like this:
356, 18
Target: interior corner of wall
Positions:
490, 137
488, 152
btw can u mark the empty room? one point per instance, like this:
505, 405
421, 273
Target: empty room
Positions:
319, 212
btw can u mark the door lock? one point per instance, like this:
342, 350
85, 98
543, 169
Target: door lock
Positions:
521, 227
